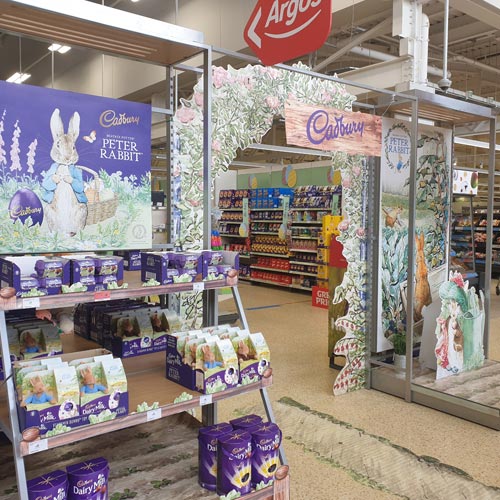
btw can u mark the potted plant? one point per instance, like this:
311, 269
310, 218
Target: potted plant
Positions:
398, 341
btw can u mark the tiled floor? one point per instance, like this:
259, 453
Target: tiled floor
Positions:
297, 335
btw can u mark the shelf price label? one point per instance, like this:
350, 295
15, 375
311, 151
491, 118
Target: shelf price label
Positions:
31, 302
102, 295
37, 446
206, 400
198, 286
153, 414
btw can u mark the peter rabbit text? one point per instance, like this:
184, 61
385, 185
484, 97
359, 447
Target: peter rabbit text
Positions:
118, 149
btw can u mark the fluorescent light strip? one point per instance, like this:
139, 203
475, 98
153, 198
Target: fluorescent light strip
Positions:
475, 144
286, 149
57, 47
18, 77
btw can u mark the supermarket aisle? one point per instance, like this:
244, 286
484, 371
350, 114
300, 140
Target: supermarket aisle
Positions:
323, 452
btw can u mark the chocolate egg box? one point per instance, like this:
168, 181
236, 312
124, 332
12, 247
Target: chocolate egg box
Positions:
51, 486
88, 480
53, 268
39, 341
109, 266
58, 403
107, 397
131, 259
82, 267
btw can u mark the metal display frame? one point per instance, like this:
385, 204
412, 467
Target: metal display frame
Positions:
445, 112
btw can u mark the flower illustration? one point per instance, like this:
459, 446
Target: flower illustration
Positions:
272, 102
185, 115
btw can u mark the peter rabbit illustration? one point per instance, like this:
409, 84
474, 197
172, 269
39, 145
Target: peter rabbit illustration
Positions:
66, 210
209, 358
89, 383
392, 216
423, 295
38, 396
243, 351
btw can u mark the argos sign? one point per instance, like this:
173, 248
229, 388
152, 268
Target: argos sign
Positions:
279, 30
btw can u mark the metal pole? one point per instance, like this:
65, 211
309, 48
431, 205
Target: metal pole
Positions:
489, 237
445, 82
410, 287
14, 423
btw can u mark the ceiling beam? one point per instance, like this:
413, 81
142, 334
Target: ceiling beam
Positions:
380, 29
486, 11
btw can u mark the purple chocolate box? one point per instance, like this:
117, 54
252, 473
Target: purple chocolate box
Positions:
52, 486
246, 422
234, 467
177, 370
266, 441
81, 268
26, 283
207, 453
88, 480
155, 266
186, 261
131, 259
109, 266
53, 268
51, 285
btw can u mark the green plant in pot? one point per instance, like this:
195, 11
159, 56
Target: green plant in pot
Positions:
398, 341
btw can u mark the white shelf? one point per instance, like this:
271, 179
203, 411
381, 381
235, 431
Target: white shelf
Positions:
266, 210
270, 221
301, 209
304, 237
302, 222
266, 232
304, 263
273, 269
226, 235
303, 274
303, 250
236, 222
281, 256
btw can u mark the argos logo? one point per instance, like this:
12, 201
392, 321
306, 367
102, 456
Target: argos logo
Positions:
280, 30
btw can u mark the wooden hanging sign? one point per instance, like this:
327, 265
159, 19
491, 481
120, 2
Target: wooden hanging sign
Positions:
330, 129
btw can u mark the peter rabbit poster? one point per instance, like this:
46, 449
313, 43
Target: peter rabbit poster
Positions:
434, 151
74, 171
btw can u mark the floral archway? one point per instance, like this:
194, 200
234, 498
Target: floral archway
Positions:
244, 104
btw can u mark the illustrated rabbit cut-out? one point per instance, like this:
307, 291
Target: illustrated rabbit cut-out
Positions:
38, 395
423, 295
66, 210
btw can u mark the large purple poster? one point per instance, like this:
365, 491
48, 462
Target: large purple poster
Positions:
74, 171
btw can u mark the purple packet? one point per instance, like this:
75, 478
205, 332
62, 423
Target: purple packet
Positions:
246, 422
51, 285
234, 463
49, 268
52, 486
266, 440
224, 269
27, 283
207, 454
106, 266
88, 480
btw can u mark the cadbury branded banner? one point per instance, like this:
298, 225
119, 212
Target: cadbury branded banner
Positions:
74, 171
332, 129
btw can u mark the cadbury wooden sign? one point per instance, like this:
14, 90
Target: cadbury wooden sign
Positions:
331, 129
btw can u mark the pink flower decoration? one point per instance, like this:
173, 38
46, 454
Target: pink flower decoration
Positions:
356, 170
198, 99
344, 225
458, 279
185, 115
360, 232
272, 102
216, 146
220, 77
346, 183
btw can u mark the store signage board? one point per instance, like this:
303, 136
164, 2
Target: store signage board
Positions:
320, 297
280, 30
74, 171
330, 129
465, 182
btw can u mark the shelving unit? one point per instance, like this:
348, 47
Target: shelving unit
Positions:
85, 24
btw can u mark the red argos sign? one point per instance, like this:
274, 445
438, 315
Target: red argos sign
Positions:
279, 30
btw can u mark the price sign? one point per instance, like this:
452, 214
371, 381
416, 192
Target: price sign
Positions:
30, 303
37, 446
153, 415
102, 295
206, 400
198, 286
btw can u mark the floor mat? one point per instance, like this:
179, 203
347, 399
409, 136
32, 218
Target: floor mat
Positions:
375, 461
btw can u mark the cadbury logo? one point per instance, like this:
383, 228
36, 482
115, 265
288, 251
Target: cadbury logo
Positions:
20, 211
82, 483
110, 118
319, 127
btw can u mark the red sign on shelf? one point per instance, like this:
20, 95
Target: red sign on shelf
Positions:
320, 297
279, 30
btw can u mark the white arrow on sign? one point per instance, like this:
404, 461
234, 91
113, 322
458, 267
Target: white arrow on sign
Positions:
251, 30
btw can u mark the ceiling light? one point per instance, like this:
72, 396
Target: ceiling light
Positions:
62, 49
18, 77
134, 1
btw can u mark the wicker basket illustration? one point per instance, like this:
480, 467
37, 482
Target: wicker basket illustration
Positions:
98, 210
